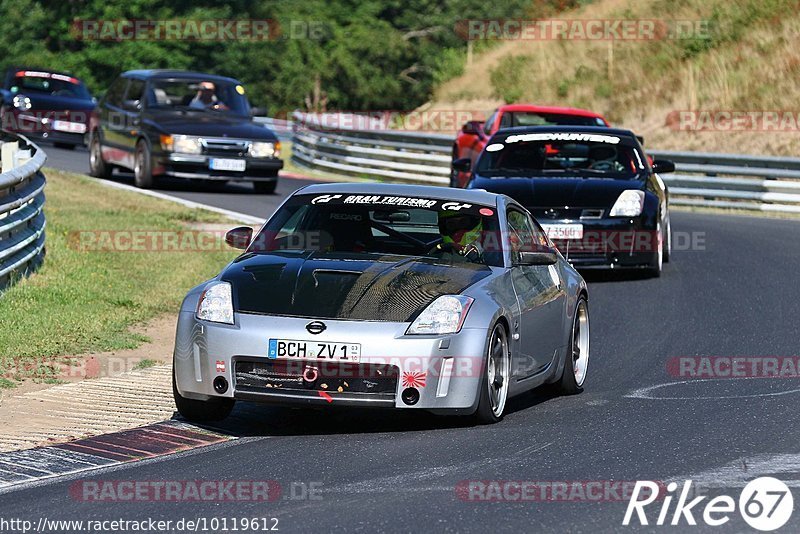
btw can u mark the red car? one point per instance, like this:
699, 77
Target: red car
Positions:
474, 134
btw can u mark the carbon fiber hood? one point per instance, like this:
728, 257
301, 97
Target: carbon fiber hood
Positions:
337, 286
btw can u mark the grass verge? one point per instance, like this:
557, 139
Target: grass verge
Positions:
83, 299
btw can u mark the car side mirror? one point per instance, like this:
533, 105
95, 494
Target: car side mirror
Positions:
462, 164
662, 165
544, 256
472, 127
239, 237
132, 105
640, 139
258, 112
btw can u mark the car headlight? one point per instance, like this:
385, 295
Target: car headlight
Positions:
259, 149
183, 144
629, 204
216, 303
21, 102
445, 315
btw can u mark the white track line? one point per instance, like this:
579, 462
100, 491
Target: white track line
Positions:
235, 215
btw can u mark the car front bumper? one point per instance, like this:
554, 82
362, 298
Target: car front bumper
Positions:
612, 242
446, 371
198, 167
41, 125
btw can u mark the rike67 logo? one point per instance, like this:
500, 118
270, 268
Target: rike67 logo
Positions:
765, 504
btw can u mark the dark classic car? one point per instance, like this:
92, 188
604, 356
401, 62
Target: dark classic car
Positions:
184, 125
47, 105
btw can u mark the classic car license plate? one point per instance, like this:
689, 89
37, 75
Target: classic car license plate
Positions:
219, 164
71, 127
563, 231
313, 350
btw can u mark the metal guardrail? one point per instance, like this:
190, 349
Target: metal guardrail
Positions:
701, 179
22, 221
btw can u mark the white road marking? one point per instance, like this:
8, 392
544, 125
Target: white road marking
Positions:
647, 392
739, 472
235, 215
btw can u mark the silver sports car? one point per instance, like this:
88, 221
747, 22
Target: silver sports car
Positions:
408, 297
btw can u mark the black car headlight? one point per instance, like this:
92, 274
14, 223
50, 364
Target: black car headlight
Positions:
261, 149
182, 144
21, 102
629, 204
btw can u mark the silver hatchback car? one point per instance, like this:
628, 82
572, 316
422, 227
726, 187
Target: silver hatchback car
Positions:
392, 296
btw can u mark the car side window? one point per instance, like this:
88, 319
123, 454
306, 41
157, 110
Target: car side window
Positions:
520, 233
116, 91
135, 91
525, 235
539, 235
487, 128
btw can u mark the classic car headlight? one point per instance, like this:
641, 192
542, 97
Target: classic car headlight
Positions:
21, 102
216, 303
629, 204
445, 315
259, 149
184, 144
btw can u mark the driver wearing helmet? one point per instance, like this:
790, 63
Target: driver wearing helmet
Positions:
461, 234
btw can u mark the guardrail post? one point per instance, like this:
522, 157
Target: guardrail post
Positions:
22, 220
9, 151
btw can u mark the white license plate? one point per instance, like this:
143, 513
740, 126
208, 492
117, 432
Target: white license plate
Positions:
71, 127
218, 164
313, 350
563, 231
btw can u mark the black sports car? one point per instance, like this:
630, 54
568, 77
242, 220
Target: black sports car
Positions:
185, 125
43, 104
593, 189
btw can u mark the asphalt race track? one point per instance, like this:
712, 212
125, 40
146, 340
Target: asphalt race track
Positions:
734, 293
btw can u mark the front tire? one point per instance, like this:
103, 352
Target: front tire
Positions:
142, 166
577, 358
657, 263
496, 378
97, 165
214, 409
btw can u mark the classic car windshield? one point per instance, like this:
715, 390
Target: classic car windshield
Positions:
197, 94
561, 154
379, 224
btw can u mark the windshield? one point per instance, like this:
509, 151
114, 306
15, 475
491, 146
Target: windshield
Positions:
363, 225
512, 119
198, 94
561, 154
50, 84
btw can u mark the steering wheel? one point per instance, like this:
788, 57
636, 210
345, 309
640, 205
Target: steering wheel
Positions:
473, 252
604, 165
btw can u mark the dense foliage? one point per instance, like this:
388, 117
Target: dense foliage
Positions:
339, 54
